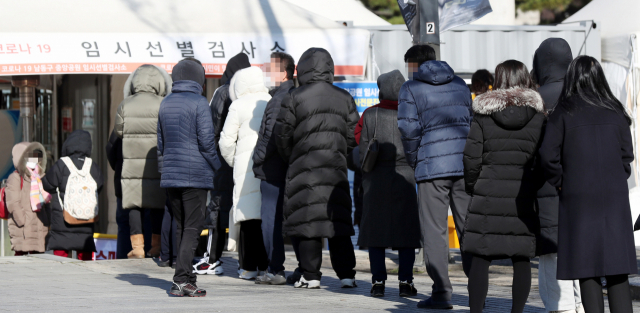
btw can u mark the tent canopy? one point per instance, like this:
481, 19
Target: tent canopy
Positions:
617, 17
341, 11
158, 16
117, 36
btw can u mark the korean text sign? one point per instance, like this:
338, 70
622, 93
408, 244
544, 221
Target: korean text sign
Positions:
365, 94
61, 53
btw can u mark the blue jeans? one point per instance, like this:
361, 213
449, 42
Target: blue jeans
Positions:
123, 244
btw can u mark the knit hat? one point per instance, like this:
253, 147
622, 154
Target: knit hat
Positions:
188, 70
389, 85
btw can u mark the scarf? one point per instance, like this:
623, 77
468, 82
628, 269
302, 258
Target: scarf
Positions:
37, 195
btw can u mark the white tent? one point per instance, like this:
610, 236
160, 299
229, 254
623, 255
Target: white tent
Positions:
116, 36
619, 29
342, 11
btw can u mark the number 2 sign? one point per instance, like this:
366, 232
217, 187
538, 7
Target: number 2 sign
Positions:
431, 28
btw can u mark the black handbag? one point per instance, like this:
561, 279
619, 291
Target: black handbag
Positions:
371, 155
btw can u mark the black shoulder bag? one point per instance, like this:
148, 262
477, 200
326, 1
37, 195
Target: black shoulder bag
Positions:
371, 154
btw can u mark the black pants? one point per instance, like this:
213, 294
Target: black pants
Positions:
406, 256
136, 217
343, 259
479, 283
188, 206
168, 241
254, 256
618, 294
216, 240
271, 214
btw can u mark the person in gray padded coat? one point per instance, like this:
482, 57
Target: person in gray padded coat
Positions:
136, 123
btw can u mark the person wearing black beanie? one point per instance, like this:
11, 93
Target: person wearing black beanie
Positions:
187, 160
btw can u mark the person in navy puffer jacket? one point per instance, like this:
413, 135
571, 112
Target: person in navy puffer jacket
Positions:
434, 117
187, 159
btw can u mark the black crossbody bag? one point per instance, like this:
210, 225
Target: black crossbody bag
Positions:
371, 155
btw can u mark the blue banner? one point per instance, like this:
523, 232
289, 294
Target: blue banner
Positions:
11, 130
365, 94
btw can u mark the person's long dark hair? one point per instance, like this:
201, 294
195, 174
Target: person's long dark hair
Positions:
512, 73
585, 79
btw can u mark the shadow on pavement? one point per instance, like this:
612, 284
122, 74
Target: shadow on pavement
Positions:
145, 280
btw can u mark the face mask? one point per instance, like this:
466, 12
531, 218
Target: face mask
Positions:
32, 165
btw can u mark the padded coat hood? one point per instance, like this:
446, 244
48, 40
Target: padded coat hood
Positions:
510, 108
550, 64
148, 78
78, 142
236, 63
435, 73
315, 65
247, 81
20, 153
551, 61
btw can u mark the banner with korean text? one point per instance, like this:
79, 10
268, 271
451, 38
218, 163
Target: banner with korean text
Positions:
365, 94
65, 53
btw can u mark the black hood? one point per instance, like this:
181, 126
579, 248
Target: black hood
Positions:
551, 61
238, 62
78, 143
315, 65
188, 70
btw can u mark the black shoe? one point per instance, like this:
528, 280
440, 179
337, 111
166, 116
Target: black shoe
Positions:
173, 265
438, 305
161, 263
295, 276
377, 290
407, 289
187, 289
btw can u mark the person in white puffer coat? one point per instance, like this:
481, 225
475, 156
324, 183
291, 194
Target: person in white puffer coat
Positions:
237, 142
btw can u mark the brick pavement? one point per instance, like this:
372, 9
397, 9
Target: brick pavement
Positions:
52, 284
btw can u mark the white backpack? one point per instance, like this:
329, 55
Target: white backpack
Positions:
81, 193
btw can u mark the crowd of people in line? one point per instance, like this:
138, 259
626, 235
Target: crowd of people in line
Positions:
530, 164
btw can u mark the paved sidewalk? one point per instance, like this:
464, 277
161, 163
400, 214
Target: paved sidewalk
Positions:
48, 283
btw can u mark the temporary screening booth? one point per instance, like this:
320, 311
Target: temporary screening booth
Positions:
76, 55
620, 28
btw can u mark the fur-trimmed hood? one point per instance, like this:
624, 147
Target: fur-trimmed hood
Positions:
523, 105
20, 153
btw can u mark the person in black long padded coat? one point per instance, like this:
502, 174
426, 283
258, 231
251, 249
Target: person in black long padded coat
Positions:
390, 217
64, 237
587, 153
499, 160
314, 134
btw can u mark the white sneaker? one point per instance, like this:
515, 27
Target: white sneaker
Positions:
309, 284
204, 268
348, 283
248, 275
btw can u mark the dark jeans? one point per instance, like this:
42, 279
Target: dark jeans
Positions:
406, 256
434, 199
168, 240
618, 294
188, 206
479, 283
136, 217
254, 256
123, 244
271, 214
343, 259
